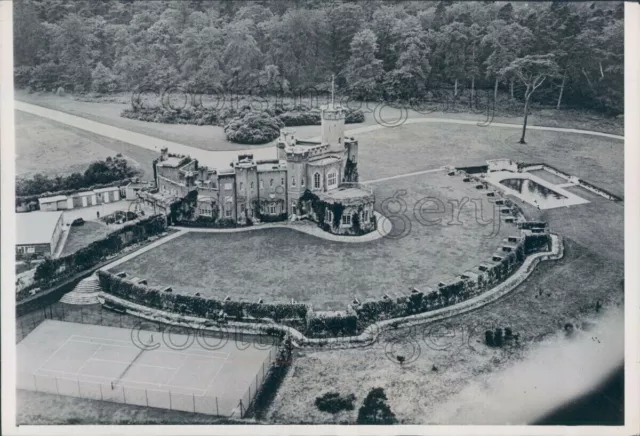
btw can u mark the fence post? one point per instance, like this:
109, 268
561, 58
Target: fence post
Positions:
241, 410
170, 405
146, 396
57, 390
124, 396
217, 410
193, 396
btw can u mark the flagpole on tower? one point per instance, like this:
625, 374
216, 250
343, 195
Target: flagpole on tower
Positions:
332, 89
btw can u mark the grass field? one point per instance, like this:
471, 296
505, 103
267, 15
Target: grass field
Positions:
557, 293
280, 264
416, 393
81, 236
47, 147
38, 408
414, 147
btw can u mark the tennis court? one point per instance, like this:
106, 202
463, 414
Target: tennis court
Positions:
172, 371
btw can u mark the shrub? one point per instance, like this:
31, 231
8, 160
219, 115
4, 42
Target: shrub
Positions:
333, 402
537, 242
498, 338
488, 338
327, 326
375, 409
253, 128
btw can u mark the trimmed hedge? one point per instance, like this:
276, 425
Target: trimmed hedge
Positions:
528, 225
198, 306
329, 326
353, 320
52, 271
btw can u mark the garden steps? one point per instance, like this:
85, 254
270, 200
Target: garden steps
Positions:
86, 292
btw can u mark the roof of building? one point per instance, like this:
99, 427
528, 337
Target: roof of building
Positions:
324, 161
52, 199
171, 162
83, 194
109, 189
346, 195
36, 227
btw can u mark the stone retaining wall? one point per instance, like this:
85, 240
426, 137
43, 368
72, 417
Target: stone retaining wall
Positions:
369, 335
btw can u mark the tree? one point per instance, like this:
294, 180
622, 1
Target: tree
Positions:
507, 42
452, 43
375, 409
532, 71
363, 70
102, 79
408, 79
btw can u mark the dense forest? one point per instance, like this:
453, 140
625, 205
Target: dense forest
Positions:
571, 54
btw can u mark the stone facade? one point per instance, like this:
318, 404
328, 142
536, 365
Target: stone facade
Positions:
271, 190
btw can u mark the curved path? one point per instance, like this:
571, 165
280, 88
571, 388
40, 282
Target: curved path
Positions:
221, 159
384, 227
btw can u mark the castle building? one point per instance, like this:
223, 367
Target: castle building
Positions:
316, 180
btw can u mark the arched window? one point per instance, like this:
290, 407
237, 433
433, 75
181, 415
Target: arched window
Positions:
332, 179
316, 180
293, 181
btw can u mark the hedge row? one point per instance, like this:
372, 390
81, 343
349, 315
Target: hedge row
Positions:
329, 326
348, 324
291, 115
52, 271
453, 292
528, 225
198, 306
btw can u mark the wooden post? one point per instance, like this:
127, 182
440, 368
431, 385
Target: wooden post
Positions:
193, 396
170, 407
146, 396
217, 410
124, 396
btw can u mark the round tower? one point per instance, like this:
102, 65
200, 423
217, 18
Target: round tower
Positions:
333, 117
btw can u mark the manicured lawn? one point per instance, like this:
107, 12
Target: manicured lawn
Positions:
465, 366
44, 146
557, 293
81, 236
414, 147
280, 264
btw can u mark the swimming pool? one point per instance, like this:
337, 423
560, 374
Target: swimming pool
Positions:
532, 191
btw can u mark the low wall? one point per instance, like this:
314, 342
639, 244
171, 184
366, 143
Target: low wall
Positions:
370, 333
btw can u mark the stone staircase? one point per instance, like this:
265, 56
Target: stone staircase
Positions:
86, 292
